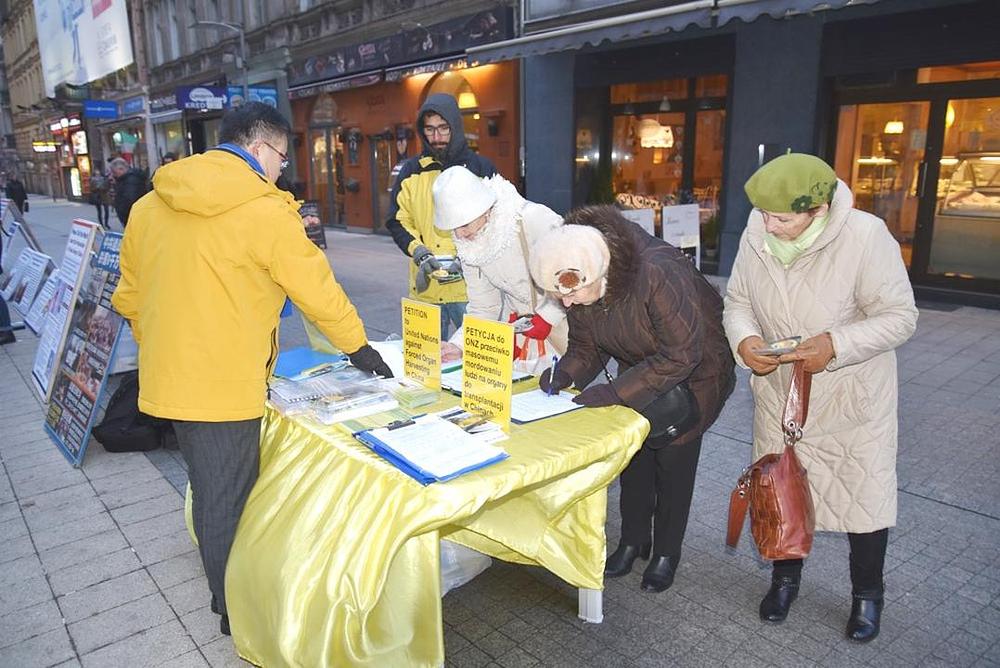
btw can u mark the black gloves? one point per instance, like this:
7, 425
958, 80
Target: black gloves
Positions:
597, 396
426, 264
552, 383
367, 359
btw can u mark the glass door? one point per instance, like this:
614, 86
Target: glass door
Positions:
325, 160
383, 151
880, 155
965, 240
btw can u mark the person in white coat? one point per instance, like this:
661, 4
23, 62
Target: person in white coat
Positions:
809, 264
494, 228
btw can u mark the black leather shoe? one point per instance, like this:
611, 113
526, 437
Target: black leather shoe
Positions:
224, 625
620, 561
659, 574
866, 616
775, 604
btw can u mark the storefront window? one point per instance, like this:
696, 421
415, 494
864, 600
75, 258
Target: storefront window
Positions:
453, 83
966, 242
709, 145
880, 150
172, 138
961, 72
650, 91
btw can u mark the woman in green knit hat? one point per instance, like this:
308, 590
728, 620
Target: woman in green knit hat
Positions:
811, 265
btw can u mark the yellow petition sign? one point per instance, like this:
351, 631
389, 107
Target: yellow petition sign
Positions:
422, 343
487, 367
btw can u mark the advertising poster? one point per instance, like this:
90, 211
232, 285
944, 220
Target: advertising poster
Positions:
70, 275
20, 287
644, 218
681, 229
422, 343
85, 40
487, 371
35, 317
83, 365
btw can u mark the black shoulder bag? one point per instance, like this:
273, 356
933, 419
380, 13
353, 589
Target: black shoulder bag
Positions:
671, 414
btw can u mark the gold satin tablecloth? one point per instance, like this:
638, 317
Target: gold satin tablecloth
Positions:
336, 559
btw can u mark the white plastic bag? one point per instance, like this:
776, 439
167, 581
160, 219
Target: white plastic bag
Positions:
459, 564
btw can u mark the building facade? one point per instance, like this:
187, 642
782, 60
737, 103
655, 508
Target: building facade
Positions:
654, 104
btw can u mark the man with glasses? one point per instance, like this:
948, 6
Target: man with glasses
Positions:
411, 212
206, 262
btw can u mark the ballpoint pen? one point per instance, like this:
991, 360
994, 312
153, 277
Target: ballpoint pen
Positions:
552, 373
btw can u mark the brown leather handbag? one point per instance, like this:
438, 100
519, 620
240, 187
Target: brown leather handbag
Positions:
776, 489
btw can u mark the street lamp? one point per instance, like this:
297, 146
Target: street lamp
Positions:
237, 28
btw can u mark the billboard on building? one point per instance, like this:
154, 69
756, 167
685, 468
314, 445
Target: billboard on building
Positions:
81, 40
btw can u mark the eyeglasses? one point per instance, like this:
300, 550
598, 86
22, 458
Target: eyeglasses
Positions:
439, 130
284, 158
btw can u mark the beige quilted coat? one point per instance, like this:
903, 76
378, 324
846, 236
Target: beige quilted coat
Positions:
853, 284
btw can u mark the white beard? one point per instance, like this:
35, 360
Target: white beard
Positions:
500, 229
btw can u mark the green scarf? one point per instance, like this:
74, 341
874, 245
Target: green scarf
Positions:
788, 252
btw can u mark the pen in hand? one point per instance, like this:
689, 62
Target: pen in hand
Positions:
552, 374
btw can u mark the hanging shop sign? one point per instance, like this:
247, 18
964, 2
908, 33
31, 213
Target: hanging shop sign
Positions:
201, 97
335, 85
100, 109
266, 94
134, 106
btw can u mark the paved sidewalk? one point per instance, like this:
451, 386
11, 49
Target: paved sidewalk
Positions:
96, 568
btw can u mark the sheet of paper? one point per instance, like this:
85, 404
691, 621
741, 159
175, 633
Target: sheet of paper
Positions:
452, 380
437, 446
536, 404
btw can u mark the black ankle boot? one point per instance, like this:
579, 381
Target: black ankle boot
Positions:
224, 625
784, 589
620, 561
659, 574
215, 605
866, 616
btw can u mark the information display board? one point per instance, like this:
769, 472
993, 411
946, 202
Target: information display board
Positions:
422, 343
87, 355
487, 371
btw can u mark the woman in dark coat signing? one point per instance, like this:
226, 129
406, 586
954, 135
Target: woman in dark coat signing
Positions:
641, 301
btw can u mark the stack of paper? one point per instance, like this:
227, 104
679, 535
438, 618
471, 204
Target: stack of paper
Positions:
537, 405
430, 449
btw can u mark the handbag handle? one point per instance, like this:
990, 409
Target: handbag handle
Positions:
797, 403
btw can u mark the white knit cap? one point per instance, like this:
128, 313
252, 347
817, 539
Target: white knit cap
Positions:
459, 198
568, 258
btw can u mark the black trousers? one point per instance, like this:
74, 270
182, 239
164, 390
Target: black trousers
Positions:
223, 460
867, 561
656, 496
103, 215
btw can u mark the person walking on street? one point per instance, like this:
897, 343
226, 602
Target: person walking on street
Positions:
641, 301
129, 184
16, 193
100, 195
206, 263
809, 264
411, 213
494, 228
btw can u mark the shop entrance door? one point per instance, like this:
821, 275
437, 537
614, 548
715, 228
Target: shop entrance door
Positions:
326, 159
382, 154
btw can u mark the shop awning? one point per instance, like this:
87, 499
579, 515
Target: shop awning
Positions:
637, 25
333, 85
444, 64
125, 120
166, 116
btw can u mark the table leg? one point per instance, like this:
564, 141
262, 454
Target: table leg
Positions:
591, 606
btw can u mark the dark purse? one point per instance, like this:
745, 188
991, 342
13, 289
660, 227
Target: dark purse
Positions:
671, 414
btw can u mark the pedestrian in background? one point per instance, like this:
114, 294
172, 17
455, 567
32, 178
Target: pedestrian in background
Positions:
493, 228
639, 300
206, 263
809, 264
129, 184
411, 213
15, 192
100, 195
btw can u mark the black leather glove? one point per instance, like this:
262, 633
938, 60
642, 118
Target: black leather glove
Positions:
426, 263
367, 359
598, 396
552, 383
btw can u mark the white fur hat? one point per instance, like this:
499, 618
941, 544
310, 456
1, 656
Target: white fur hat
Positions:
568, 258
459, 198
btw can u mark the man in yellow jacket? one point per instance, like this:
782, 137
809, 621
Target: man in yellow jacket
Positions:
207, 260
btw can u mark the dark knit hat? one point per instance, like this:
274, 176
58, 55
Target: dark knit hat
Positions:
792, 183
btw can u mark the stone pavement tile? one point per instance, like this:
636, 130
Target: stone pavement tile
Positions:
83, 550
151, 647
41, 457
13, 528
188, 596
173, 571
952, 655
454, 641
120, 480
202, 624
40, 651
160, 549
72, 495
120, 622
518, 658
39, 480
190, 660
20, 569
101, 464
29, 622
106, 595
83, 575
124, 496
147, 508
471, 657
69, 532
152, 528
72, 663
24, 594
9, 510
221, 654
496, 644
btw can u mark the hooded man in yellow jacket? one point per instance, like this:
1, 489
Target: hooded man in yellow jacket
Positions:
206, 263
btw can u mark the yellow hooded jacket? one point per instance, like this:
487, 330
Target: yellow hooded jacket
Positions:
206, 262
